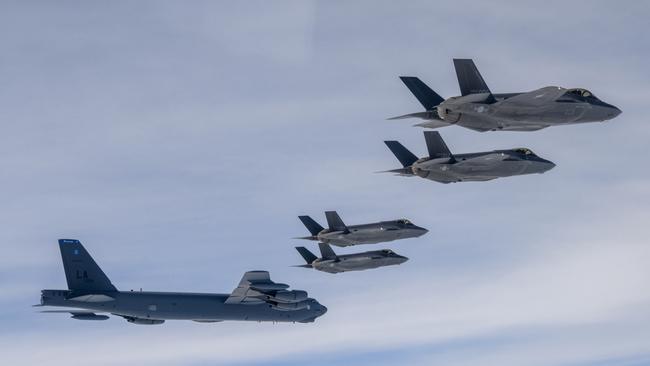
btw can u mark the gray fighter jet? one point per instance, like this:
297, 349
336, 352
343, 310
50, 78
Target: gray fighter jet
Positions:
444, 167
342, 235
332, 263
480, 110
91, 293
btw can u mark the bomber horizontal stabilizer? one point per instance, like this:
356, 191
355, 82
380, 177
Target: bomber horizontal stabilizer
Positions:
80, 314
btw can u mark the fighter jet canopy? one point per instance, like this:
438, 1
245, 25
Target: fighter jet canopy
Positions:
525, 151
577, 94
404, 222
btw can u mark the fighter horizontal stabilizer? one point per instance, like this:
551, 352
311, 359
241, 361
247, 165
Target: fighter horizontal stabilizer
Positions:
425, 95
405, 172
326, 251
428, 115
432, 124
402, 154
311, 225
436, 145
308, 256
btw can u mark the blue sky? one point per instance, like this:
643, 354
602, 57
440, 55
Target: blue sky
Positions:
179, 141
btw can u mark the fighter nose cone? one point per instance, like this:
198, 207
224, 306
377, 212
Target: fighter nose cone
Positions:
548, 165
322, 309
614, 112
420, 230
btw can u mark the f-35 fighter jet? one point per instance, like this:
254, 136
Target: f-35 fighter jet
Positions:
342, 235
91, 293
479, 109
332, 263
444, 167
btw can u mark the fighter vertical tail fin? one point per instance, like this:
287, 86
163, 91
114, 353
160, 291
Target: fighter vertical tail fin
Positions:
436, 145
308, 256
81, 271
311, 225
469, 79
425, 95
334, 221
402, 154
326, 251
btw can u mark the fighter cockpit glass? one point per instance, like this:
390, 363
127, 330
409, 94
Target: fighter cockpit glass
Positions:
577, 94
525, 151
404, 222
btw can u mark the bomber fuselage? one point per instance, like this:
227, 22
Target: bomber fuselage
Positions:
155, 306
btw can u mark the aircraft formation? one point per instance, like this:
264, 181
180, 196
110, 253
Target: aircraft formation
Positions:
91, 295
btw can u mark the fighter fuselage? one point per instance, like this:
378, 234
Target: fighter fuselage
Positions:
528, 111
480, 166
358, 261
371, 233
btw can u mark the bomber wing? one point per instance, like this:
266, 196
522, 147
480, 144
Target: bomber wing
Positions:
256, 287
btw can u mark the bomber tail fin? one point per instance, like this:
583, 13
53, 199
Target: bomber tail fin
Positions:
402, 154
311, 225
469, 79
81, 271
436, 145
307, 255
326, 251
425, 95
334, 221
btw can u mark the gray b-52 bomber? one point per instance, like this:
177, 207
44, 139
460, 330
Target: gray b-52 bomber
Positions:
444, 167
333, 263
343, 235
90, 292
479, 109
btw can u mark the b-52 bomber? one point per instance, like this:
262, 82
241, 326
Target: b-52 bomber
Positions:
333, 263
90, 293
478, 109
343, 235
444, 167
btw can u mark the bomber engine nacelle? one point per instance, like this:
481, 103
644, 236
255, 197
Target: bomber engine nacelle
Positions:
89, 316
144, 321
291, 296
292, 306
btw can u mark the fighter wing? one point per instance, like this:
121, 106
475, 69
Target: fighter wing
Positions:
256, 287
